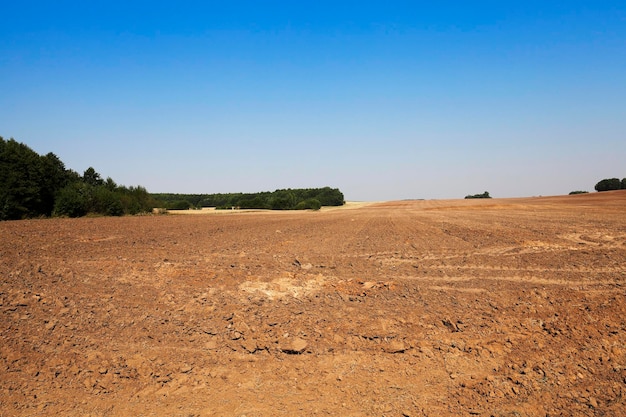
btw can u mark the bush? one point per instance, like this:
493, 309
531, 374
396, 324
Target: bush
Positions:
578, 192
105, 201
483, 195
70, 201
330, 197
135, 200
309, 204
80, 198
609, 184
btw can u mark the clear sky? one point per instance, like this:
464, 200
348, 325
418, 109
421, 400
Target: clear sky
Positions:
381, 99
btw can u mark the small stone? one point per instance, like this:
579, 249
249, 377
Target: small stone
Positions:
295, 347
395, 346
450, 325
249, 345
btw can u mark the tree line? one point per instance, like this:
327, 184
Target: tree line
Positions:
33, 185
284, 199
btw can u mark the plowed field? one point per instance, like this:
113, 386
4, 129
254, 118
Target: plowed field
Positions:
503, 307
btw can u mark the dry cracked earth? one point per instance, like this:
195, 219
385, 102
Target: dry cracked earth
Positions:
503, 307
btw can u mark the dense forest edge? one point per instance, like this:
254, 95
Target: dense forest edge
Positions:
33, 185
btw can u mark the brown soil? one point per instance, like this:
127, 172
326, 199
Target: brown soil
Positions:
509, 307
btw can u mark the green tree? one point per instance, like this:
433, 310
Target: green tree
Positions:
91, 177
54, 178
330, 197
20, 181
105, 201
483, 195
71, 200
110, 184
608, 184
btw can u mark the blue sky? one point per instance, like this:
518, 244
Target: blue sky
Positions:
381, 99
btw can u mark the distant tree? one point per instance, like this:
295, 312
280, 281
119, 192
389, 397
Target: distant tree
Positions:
91, 177
330, 197
623, 183
609, 184
110, 184
483, 195
578, 192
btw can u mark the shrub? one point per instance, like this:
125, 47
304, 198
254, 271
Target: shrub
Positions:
105, 201
71, 201
609, 184
330, 197
483, 195
309, 204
